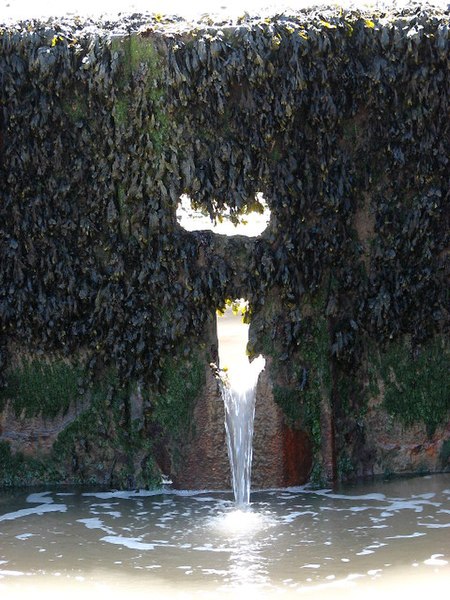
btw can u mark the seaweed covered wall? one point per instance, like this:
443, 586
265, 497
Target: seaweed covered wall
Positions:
340, 119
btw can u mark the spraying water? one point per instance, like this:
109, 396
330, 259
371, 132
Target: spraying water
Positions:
239, 395
239, 401
239, 417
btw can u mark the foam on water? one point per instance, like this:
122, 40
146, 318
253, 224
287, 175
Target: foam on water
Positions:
37, 510
163, 491
404, 537
296, 515
436, 560
132, 543
334, 496
298, 541
125, 495
40, 498
95, 524
24, 536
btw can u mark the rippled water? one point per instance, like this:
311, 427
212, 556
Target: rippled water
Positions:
384, 537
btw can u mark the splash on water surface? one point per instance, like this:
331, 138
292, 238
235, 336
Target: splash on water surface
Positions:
366, 541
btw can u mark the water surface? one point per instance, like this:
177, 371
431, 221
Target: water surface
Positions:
375, 538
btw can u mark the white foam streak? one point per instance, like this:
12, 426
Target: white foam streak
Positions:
132, 495
24, 536
296, 514
95, 523
415, 505
329, 494
435, 560
40, 498
124, 495
37, 510
132, 543
405, 537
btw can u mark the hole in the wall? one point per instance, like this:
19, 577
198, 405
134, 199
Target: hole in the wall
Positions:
232, 336
250, 225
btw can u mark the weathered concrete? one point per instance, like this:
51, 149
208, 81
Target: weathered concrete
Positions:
34, 436
281, 455
396, 448
203, 461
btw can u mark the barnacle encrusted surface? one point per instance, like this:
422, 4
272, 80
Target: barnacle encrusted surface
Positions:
340, 118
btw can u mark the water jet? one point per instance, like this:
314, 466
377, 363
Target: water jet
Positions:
238, 388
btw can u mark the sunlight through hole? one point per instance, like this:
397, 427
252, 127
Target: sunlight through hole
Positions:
250, 225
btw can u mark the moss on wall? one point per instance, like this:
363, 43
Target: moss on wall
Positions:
182, 382
39, 387
124, 449
350, 410
16, 469
288, 399
397, 395
141, 83
313, 377
417, 381
352, 396
105, 444
309, 385
75, 107
117, 437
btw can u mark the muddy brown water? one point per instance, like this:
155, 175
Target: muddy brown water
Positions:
379, 538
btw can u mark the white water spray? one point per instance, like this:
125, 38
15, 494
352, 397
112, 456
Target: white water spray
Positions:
239, 418
239, 400
239, 396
